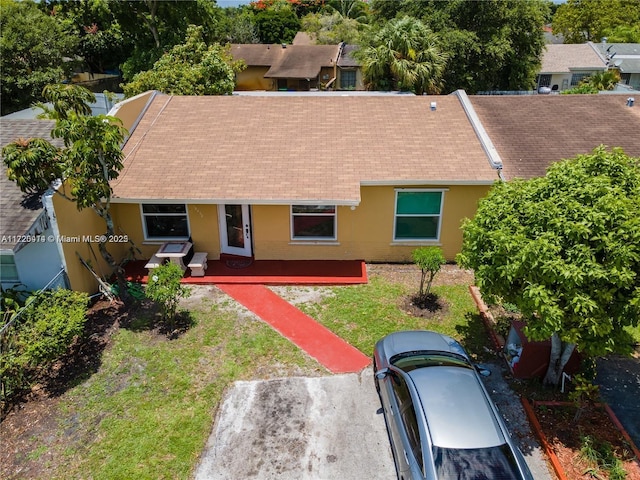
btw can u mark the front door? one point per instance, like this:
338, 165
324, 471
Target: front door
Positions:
235, 230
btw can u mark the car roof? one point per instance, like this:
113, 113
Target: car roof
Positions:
457, 409
419, 340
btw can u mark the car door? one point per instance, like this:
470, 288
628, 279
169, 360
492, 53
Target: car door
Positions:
398, 403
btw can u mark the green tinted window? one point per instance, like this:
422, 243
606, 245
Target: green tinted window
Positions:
417, 215
419, 202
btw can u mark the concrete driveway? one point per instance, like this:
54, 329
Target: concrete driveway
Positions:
319, 428
324, 428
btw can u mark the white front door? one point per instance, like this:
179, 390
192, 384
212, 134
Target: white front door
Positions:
235, 230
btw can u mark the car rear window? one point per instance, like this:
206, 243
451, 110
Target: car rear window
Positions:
495, 463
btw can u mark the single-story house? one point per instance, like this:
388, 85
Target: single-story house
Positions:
298, 177
297, 67
532, 131
564, 66
30, 257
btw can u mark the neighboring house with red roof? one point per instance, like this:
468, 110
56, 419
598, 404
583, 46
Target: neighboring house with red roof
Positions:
30, 257
297, 67
532, 131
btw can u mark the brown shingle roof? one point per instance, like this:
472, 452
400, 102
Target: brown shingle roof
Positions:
531, 132
18, 211
304, 61
257, 54
288, 61
562, 58
282, 149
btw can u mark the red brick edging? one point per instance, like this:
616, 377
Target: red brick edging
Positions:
547, 446
486, 316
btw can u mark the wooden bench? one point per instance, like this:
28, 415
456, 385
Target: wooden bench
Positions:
198, 264
154, 262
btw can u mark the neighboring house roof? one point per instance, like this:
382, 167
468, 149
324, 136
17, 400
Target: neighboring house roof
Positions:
346, 58
18, 211
287, 61
304, 38
625, 56
564, 58
532, 131
257, 54
101, 106
297, 149
304, 61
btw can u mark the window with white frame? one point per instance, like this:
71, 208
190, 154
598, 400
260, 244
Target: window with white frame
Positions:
8, 269
165, 221
313, 222
418, 214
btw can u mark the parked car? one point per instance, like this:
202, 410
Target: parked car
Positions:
440, 419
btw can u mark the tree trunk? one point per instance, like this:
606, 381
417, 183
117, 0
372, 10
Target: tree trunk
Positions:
123, 293
560, 355
422, 278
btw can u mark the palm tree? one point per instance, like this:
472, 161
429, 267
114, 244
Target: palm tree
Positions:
403, 55
606, 80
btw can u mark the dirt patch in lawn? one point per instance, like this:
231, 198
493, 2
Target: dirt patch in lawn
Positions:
409, 275
592, 435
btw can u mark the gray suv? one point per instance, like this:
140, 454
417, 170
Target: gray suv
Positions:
440, 419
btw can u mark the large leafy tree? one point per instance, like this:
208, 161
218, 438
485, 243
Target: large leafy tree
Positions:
101, 42
565, 249
192, 68
580, 21
403, 55
33, 46
90, 159
492, 45
277, 24
332, 28
154, 26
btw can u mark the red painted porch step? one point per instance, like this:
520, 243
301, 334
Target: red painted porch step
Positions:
322, 344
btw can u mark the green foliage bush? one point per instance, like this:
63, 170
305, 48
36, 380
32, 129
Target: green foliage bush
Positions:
165, 289
42, 331
430, 260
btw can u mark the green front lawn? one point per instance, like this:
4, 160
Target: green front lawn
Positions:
147, 412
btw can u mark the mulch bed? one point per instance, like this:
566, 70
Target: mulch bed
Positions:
565, 436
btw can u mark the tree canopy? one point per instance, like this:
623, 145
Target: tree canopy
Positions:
580, 21
403, 55
192, 68
33, 47
565, 249
492, 45
90, 159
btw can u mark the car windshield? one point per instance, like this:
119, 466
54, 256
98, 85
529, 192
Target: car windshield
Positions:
496, 463
411, 360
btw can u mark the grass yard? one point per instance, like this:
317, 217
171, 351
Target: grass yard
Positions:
362, 314
145, 409
147, 412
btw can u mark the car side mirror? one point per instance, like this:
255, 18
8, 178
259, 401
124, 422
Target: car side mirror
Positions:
381, 374
482, 370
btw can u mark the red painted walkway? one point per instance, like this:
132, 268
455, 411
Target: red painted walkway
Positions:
326, 347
